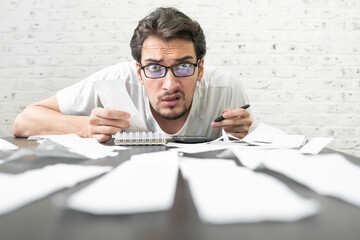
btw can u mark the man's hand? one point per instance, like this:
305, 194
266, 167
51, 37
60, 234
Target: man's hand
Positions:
105, 122
237, 122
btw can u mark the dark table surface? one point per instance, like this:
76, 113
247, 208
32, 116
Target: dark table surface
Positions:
49, 219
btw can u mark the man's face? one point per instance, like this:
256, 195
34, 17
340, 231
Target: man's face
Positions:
170, 97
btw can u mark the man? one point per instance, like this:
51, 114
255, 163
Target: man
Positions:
168, 84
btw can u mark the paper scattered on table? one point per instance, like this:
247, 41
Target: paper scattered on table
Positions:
327, 174
121, 101
315, 145
19, 190
224, 193
263, 134
225, 136
288, 141
7, 146
5, 154
145, 183
267, 137
190, 166
195, 147
251, 158
87, 147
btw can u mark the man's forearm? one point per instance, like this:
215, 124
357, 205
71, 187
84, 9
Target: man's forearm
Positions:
39, 120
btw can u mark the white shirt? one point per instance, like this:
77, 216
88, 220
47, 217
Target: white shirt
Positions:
215, 91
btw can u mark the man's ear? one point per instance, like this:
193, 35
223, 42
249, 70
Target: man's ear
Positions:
201, 69
138, 73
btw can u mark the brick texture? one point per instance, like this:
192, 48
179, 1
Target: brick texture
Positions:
298, 59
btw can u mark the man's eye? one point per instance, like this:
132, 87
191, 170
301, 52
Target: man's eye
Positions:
155, 68
183, 65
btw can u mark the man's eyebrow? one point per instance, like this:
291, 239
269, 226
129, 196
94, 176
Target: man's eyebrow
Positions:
184, 58
152, 60
176, 59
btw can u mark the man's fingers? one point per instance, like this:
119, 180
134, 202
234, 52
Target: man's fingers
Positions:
233, 122
110, 113
108, 130
105, 122
237, 129
236, 113
226, 109
237, 134
109, 122
102, 138
102, 133
237, 122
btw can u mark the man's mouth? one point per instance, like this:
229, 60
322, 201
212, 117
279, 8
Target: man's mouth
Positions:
171, 100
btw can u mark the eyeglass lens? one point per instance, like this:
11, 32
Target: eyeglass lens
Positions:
179, 70
155, 71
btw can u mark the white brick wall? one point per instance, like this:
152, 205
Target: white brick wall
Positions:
298, 59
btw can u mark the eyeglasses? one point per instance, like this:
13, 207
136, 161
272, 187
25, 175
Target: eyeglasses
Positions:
183, 69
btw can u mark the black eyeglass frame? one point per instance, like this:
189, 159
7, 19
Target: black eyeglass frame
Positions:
171, 68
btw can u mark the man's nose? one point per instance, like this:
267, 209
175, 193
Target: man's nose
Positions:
170, 82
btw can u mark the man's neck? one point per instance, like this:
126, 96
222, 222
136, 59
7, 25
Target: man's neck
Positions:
170, 126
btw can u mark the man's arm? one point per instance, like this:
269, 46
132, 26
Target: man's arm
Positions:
44, 117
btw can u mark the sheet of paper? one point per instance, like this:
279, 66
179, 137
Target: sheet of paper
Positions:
19, 190
224, 193
5, 154
327, 174
315, 145
87, 147
263, 134
288, 141
120, 100
195, 148
225, 136
7, 146
145, 183
190, 166
251, 158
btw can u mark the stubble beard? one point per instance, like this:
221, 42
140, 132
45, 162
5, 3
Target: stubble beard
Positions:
172, 115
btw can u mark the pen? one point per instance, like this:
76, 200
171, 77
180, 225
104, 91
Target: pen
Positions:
220, 118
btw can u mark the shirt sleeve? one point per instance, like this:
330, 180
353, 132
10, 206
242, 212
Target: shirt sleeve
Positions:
82, 97
78, 99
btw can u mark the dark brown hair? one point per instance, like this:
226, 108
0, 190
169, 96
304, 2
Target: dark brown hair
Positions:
167, 24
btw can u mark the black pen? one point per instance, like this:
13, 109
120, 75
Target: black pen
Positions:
218, 119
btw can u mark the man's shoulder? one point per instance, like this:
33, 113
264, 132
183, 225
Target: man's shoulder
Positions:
216, 77
125, 71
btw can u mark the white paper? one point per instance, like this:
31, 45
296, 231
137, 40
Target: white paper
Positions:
224, 193
251, 158
288, 141
5, 154
195, 147
225, 136
263, 134
314, 146
121, 101
267, 137
327, 174
7, 146
190, 166
87, 147
146, 183
19, 190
